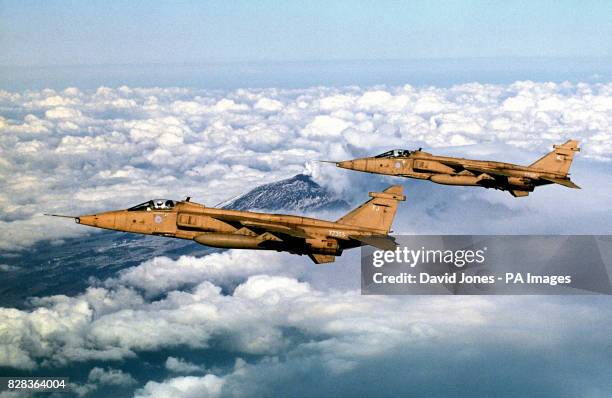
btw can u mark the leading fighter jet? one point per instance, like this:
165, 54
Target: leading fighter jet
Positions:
518, 180
322, 241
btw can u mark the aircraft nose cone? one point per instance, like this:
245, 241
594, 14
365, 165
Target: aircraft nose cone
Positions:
98, 220
356, 164
347, 164
91, 220
85, 220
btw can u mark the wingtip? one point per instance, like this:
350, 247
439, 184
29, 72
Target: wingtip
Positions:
398, 189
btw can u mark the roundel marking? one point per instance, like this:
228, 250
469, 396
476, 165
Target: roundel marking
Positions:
158, 219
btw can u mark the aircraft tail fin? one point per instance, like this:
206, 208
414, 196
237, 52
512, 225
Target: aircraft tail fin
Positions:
560, 159
378, 212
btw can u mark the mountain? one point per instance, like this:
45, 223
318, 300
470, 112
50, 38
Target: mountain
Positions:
298, 193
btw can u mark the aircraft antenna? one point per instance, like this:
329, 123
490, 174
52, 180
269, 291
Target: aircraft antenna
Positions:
59, 215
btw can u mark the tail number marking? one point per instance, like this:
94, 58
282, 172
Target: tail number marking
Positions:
337, 234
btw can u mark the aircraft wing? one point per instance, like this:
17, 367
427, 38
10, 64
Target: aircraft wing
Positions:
478, 170
383, 242
501, 172
494, 172
455, 164
271, 227
460, 165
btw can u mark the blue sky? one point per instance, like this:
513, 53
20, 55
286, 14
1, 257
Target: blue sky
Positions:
42, 33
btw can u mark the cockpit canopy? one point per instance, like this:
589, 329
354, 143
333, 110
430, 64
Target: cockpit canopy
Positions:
154, 204
395, 153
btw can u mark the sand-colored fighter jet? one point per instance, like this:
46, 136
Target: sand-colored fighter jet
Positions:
518, 180
321, 240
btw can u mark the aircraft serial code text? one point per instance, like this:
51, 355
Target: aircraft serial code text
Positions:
508, 278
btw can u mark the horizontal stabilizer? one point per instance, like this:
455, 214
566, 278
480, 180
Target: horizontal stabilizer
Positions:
322, 258
567, 183
380, 242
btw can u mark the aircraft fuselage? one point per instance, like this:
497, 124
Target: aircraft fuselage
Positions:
321, 240
518, 180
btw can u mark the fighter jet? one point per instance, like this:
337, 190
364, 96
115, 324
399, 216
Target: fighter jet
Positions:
322, 241
518, 180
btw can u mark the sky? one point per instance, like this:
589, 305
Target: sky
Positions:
105, 104
43, 33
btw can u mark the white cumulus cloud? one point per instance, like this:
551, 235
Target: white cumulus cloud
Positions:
185, 387
179, 365
78, 151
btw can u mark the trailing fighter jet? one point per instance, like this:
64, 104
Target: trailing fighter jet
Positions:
322, 241
518, 180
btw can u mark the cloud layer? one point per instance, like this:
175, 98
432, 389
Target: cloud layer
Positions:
282, 322
292, 329
76, 151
